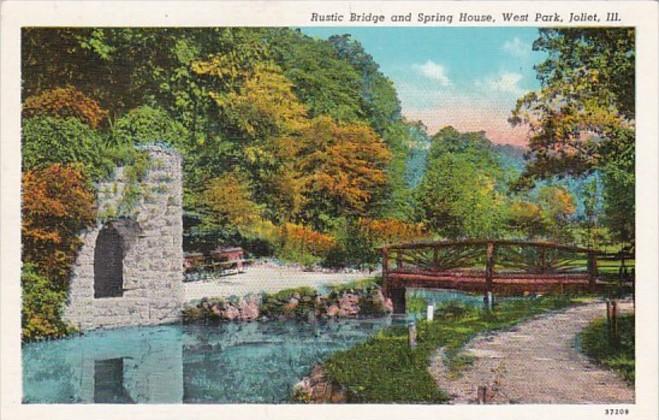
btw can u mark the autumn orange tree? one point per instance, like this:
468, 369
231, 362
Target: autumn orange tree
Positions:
65, 102
57, 204
343, 166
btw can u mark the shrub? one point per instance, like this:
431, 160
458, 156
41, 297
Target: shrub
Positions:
147, 125
57, 204
48, 140
65, 102
42, 308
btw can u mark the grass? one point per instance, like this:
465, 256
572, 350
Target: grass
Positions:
618, 356
385, 370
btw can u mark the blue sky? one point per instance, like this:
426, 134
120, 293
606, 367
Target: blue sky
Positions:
466, 77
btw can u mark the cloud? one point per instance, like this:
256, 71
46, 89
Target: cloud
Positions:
433, 71
516, 47
507, 82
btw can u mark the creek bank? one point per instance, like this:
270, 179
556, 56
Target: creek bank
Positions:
317, 388
302, 303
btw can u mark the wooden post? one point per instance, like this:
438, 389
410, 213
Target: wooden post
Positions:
435, 259
592, 269
411, 334
614, 322
385, 269
397, 295
482, 394
399, 260
489, 271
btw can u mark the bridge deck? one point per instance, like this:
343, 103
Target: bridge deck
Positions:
502, 283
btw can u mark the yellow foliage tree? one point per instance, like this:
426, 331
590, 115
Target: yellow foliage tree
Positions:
343, 166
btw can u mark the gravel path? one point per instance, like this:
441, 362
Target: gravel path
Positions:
536, 362
266, 278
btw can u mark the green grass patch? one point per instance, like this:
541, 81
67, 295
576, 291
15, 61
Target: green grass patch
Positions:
365, 284
619, 356
385, 370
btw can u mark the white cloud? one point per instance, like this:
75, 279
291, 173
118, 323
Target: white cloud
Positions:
507, 82
516, 47
433, 71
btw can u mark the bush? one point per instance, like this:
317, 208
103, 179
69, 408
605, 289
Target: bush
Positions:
48, 140
147, 125
57, 204
43, 304
65, 102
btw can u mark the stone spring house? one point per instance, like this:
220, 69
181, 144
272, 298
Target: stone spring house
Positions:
129, 269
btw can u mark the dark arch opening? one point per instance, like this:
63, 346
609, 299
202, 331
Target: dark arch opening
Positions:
108, 264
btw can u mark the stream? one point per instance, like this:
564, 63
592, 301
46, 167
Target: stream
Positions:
249, 362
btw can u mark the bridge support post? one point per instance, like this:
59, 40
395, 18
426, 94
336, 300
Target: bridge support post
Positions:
397, 295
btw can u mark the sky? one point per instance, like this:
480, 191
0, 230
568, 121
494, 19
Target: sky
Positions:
469, 78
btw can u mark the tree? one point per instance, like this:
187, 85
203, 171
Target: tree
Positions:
558, 207
229, 199
57, 204
147, 125
65, 102
47, 140
343, 166
460, 193
582, 119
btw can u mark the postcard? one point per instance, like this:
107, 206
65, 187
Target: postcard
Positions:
319, 209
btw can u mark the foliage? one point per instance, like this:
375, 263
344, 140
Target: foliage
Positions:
145, 125
385, 370
56, 205
343, 167
303, 245
41, 315
65, 102
47, 140
390, 231
557, 207
229, 198
459, 194
620, 357
582, 119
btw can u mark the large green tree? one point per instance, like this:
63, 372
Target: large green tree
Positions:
460, 194
582, 118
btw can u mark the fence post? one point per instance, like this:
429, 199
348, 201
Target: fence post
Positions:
435, 258
489, 273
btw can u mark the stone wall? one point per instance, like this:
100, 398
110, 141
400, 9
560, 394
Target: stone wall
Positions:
151, 241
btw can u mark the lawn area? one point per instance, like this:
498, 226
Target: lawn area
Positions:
385, 370
619, 356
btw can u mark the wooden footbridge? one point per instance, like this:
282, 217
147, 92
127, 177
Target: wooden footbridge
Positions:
502, 267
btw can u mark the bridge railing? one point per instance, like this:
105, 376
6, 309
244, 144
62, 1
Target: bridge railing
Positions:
495, 258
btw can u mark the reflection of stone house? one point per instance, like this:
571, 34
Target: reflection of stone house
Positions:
129, 269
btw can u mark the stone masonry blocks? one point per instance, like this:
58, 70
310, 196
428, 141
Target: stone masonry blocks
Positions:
152, 252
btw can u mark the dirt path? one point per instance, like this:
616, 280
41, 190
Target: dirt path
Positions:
264, 278
536, 362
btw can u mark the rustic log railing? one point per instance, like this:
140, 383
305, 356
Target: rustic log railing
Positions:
489, 266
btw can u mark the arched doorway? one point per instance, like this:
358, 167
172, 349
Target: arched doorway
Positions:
108, 264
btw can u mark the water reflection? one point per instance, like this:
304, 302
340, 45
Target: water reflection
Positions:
221, 363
